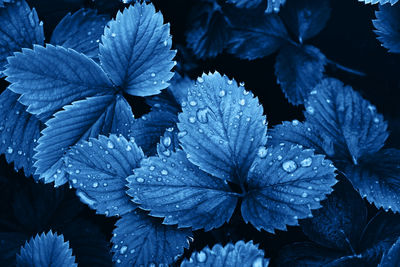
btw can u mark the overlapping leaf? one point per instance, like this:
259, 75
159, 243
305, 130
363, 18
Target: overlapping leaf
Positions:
79, 121
381, 2
386, 24
221, 127
136, 51
240, 254
392, 257
98, 168
141, 240
80, 31
46, 250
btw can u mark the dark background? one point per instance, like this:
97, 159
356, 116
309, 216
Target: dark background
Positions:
347, 39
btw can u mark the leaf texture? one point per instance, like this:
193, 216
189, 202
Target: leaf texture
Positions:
381, 2
386, 25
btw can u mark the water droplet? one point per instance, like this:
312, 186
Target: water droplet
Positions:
262, 152
153, 75
167, 141
182, 134
74, 181
279, 157
230, 81
306, 162
200, 80
241, 84
295, 122
108, 166
140, 180
152, 168
128, 148
242, 102
164, 172
193, 103
304, 194
110, 145
289, 166
222, 93
95, 184
123, 249
10, 150
192, 119
113, 34
310, 110
202, 114
376, 120
201, 256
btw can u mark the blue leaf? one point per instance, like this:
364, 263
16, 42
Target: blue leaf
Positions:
285, 183
377, 178
298, 70
209, 32
256, 34
19, 132
98, 168
381, 2
81, 31
173, 188
392, 256
3, 2
238, 254
245, 3
387, 27
20, 28
343, 117
79, 121
136, 51
46, 250
306, 18
52, 77
221, 127
340, 222
140, 240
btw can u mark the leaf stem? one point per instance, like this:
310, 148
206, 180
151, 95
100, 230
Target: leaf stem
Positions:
344, 68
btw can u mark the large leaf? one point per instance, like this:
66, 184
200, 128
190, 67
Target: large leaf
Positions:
52, 77
240, 254
79, 121
81, 31
392, 257
20, 28
136, 51
377, 178
343, 117
98, 168
222, 127
387, 27
284, 184
298, 70
19, 132
173, 188
341, 220
140, 240
256, 34
46, 250
306, 18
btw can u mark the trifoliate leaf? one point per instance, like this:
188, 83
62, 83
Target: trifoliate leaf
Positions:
79, 121
173, 188
20, 28
222, 127
386, 24
46, 250
377, 178
341, 220
52, 77
298, 70
392, 257
19, 132
381, 2
136, 51
209, 32
98, 168
240, 254
256, 34
141, 240
284, 184
80, 31
306, 18
343, 117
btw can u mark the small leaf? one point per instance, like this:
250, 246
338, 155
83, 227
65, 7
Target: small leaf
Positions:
306, 18
387, 29
284, 184
377, 178
19, 132
341, 220
256, 34
222, 127
173, 188
141, 240
52, 77
81, 31
238, 254
79, 121
98, 168
20, 28
298, 70
392, 257
136, 51
46, 250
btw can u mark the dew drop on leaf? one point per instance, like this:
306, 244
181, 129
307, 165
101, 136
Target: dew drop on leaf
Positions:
201, 256
306, 162
289, 166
